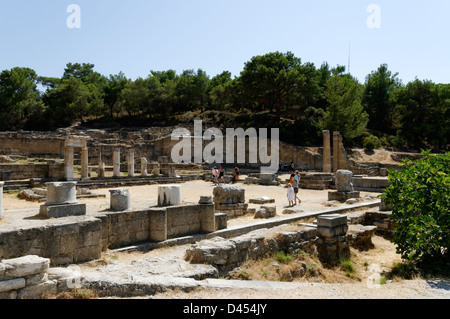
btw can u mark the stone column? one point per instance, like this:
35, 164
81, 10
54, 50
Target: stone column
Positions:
68, 163
101, 166
116, 162
326, 152
144, 163
84, 163
169, 195
1, 199
130, 160
336, 143
120, 199
62, 201
101, 169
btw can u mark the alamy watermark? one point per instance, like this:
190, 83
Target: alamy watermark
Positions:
73, 21
190, 148
374, 19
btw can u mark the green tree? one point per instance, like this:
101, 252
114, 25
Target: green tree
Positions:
345, 112
20, 100
422, 114
278, 80
70, 101
113, 89
135, 97
192, 91
377, 103
420, 198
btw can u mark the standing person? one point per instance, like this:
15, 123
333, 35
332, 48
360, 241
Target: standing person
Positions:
235, 174
221, 174
216, 176
290, 194
296, 186
292, 167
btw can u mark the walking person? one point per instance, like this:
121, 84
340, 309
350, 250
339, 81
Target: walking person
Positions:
221, 175
296, 186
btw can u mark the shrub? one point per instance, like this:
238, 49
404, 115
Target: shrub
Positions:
371, 142
419, 195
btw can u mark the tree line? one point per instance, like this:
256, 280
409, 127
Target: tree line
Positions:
275, 89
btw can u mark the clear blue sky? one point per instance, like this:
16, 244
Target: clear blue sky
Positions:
137, 36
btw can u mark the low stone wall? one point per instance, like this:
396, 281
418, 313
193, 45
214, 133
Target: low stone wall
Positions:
25, 278
64, 241
226, 254
27, 171
83, 238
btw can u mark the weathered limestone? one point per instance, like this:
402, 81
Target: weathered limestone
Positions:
261, 200
116, 163
62, 201
1, 199
326, 152
344, 187
69, 145
25, 278
332, 245
101, 166
169, 195
130, 160
339, 154
266, 212
230, 199
144, 163
120, 199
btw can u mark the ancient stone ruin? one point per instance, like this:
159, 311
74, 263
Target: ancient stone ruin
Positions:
230, 199
62, 201
344, 187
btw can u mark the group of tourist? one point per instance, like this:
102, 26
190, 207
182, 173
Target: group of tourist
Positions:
217, 175
292, 192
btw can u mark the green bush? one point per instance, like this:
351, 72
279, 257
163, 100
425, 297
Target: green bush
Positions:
419, 194
371, 142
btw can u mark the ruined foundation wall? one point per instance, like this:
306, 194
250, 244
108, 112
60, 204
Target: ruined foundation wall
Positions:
83, 238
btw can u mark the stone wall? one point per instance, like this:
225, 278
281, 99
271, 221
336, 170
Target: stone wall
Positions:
30, 144
28, 171
83, 238
66, 240
226, 254
25, 278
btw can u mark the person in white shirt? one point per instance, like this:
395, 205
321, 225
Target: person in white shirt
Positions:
291, 195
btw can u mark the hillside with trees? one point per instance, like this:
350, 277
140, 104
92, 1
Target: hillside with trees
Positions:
273, 90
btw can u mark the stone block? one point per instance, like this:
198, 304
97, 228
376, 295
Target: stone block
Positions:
26, 266
331, 220
61, 193
205, 200
261, 200
344, 181
332, 231
221, 221
12, 284
169, 195
342, 196
59, 211
228, 194
120, 199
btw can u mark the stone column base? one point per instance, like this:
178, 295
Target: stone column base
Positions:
59, 211
342, 196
